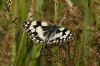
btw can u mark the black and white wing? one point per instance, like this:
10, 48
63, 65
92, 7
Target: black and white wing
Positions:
61, 35
42, 32
35, 30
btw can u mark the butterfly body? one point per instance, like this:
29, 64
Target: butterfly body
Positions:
43, 32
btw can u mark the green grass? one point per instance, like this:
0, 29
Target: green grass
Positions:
86, 33
75, 53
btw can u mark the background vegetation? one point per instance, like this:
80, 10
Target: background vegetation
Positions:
82, 17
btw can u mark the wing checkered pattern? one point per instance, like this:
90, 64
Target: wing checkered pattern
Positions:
43, 32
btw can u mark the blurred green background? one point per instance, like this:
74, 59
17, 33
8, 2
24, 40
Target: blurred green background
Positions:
82, 17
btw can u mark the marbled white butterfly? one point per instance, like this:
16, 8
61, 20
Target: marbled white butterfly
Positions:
43, 32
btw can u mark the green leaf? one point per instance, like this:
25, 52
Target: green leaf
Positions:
36, 51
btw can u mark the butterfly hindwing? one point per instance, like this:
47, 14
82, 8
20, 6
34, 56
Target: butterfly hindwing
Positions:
41, 32
61, 35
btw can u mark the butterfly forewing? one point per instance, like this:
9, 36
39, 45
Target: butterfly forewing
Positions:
42, 32
34, 30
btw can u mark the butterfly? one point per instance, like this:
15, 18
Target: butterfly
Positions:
43, 32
